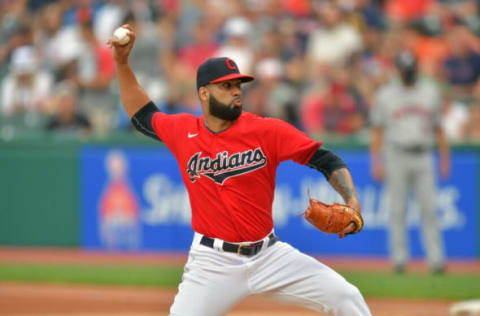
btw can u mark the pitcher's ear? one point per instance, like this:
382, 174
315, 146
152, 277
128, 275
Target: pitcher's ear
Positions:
203, 93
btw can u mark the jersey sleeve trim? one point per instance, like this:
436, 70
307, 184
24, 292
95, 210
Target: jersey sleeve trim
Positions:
326, 162
314, 150
142, 120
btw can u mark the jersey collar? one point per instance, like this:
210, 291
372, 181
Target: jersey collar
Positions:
222, 131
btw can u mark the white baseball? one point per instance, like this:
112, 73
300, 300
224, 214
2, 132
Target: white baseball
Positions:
120, 34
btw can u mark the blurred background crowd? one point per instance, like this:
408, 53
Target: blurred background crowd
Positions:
318, 63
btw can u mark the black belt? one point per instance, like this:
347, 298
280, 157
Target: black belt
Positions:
248, 250
414, 149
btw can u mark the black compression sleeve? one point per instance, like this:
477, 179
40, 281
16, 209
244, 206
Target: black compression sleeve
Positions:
142, 120
326, 162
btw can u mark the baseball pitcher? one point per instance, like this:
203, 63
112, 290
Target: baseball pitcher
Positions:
228, 160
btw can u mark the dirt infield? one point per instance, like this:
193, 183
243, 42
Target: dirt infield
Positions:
42, 299
76, 300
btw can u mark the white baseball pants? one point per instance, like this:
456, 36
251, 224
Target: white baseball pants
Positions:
214, 281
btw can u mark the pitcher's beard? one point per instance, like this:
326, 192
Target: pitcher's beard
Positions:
227, 112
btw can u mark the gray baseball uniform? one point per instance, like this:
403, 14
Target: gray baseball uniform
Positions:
408, 117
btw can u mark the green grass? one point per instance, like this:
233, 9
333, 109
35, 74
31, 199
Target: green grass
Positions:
371, 284
416, 285
93, 274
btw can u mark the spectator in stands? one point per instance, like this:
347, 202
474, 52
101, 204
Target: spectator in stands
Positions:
181, 99
334, 111
334, 42
429, 39
369, 70
237, 45
270, 95
462, 66
466, 12
66, 118
108, 18
12, 38
14, 29
371, 13
147, 55
202, 46
25, 89
271, 45
406, 10
58, 44
95, 74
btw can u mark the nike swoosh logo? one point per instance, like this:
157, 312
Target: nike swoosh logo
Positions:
191, 135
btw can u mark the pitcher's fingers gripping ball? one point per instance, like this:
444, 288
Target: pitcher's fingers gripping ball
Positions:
333, 218
121, 35
122, 38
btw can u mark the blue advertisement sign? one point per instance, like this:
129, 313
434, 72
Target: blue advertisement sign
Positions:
134, 199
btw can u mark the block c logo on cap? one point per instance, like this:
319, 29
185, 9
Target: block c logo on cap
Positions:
231, 64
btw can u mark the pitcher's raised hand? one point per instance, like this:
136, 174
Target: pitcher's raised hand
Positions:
121, 52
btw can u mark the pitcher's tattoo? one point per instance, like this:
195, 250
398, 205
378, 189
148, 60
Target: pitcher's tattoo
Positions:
341, 181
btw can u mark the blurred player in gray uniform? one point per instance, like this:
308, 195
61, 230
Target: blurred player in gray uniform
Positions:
406, 127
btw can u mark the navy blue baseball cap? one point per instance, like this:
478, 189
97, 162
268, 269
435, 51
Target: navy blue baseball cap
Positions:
220, 69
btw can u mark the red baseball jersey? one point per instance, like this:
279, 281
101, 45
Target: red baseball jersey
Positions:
230, 176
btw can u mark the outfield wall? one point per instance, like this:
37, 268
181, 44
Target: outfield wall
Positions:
129, 195
39, 195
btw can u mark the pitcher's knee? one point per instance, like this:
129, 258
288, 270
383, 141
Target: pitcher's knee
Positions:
347, 293
350, 301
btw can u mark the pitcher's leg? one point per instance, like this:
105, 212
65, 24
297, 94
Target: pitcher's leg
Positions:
210, 285
290, 276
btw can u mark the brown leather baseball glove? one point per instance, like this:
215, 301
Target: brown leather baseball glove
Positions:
333, 218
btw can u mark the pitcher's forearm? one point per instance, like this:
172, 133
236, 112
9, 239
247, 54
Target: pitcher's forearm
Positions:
341, 181
131, 93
